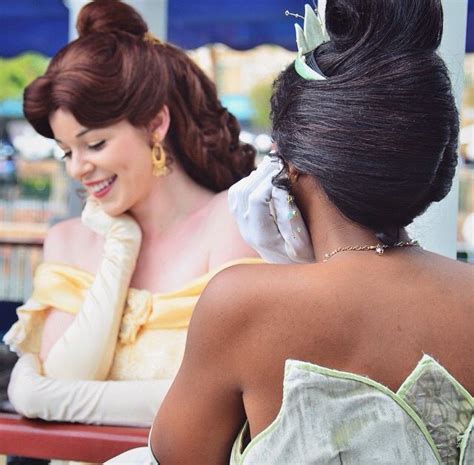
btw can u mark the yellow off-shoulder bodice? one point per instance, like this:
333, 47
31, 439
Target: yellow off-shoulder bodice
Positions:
153, 329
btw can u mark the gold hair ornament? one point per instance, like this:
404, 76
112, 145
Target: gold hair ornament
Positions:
158, 160
151, 38
308, 38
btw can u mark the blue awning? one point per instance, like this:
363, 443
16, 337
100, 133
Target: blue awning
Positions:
470, 28
42, 25
239, 24
32, 25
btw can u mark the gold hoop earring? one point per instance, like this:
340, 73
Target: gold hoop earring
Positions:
158, 160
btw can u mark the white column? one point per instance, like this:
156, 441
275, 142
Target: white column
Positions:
436, 229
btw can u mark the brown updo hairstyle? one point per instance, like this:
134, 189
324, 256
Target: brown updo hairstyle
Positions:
110, 73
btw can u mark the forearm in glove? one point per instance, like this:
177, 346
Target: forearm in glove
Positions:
85, 351
128, 403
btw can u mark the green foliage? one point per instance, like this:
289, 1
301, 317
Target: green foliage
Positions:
38, 187
16, 73
260, 98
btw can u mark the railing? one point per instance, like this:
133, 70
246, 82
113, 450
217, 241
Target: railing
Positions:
66, 441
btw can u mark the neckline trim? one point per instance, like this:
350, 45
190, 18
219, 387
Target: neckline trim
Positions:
194, 282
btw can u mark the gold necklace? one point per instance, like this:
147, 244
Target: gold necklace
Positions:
379, 248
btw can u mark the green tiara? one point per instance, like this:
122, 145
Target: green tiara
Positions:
308, 38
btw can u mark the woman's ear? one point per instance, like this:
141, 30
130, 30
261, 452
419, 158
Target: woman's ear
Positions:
159, 125
293, 174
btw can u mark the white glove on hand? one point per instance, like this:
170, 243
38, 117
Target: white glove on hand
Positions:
262, 214
127, 403
86, 349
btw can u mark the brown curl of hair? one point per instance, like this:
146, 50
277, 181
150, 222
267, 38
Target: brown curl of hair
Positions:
110, 73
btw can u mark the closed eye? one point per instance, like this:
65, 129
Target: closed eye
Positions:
66, 155
97, 146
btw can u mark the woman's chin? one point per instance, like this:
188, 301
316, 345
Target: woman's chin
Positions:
114, 210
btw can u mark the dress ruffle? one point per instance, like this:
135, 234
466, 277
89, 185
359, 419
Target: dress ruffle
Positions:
25, 335
136, 314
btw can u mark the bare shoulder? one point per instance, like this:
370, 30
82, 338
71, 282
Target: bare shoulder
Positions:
57, 245
222, 232
236, 285
459, 270
72, 243
225, 312
233, 294
451, 280
253, 295
277, 311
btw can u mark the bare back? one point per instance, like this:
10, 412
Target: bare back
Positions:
362, 314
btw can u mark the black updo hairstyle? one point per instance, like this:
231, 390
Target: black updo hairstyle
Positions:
380, 135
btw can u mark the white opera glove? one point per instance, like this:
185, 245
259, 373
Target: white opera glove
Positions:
262, 212
127, 403
85, 351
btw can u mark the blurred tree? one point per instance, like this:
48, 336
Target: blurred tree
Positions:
38, 187
469, 96
260, 98
16, 73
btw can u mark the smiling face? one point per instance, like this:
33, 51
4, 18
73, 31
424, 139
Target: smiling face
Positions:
112, 163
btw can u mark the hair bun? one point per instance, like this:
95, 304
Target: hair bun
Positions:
345, 22
110, 16
390, 25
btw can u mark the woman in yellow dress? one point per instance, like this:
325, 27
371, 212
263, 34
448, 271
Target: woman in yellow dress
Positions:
142, 129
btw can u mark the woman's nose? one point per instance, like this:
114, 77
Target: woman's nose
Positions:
78, 167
